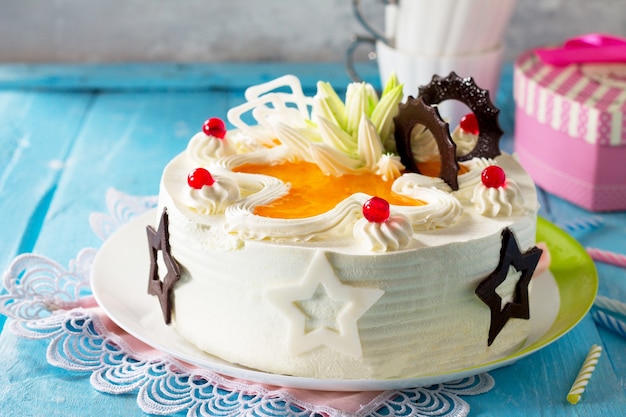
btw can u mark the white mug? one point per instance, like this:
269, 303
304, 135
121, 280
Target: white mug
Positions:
441, 27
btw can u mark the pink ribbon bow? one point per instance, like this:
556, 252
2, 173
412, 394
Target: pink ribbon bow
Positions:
584, 49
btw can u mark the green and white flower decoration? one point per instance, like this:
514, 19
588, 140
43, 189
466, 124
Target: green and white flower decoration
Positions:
355, 136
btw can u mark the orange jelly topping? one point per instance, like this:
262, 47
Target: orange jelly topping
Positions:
314, 193
431, 168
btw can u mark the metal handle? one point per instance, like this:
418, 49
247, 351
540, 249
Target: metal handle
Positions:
377, 34
356, 41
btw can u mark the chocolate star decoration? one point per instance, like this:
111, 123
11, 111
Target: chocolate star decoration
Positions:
477, 99
416, 111
159, 240
525, 263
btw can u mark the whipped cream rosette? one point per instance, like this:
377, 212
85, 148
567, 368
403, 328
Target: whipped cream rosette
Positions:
208, 194
204, 149
379, 231
497, 194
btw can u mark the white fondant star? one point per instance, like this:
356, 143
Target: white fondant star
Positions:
320, 310
355, 302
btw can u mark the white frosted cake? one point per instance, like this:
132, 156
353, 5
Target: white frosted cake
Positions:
302, 245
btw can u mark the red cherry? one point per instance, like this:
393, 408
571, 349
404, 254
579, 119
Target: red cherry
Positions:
469, 124
199, 177
214, 127
493, 177
376, 210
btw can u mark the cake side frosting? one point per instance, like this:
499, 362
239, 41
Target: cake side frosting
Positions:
341, 294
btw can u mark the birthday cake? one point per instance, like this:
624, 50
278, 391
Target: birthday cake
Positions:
347, 239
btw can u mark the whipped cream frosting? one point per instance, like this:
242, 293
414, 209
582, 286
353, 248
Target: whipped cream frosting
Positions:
465, 141
493, 201
393, 234
203, 148
405, 287
389, 167
424, 146
211, 199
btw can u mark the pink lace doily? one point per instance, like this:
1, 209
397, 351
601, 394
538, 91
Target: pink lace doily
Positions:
44, 300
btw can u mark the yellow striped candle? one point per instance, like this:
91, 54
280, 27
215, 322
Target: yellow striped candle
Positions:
581, 381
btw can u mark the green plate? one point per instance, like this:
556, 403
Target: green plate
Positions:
576, 277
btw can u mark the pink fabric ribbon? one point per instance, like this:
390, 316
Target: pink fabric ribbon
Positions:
584, 49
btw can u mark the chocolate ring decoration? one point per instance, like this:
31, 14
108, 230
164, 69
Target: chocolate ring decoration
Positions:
416, 111
477, 99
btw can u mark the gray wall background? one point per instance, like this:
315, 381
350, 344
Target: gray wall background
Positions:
240, 30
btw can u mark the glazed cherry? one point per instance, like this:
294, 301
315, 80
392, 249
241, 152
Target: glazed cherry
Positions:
376, 210
469, 124
214, 127
199, 177
493, 177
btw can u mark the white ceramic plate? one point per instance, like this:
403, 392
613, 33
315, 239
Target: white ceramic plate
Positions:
120, 279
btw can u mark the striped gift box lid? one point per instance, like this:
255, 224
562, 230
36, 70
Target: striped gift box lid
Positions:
585, 101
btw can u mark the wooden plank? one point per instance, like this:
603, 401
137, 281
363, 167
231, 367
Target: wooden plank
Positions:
166, 76
37, 131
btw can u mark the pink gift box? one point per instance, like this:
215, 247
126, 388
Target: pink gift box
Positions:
570, 130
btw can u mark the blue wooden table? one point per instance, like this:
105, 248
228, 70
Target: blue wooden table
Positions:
69, 133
